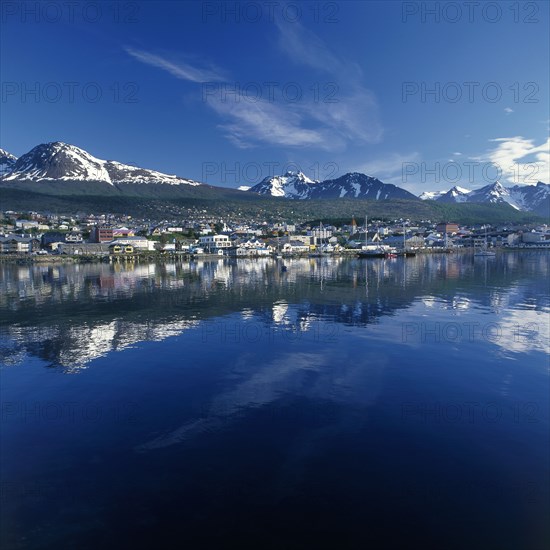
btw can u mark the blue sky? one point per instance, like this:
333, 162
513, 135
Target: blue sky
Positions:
325, 87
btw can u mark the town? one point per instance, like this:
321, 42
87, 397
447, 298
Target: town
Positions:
41, 236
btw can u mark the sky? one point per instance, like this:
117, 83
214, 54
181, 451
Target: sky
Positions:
425, 95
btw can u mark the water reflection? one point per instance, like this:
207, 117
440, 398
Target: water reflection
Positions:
69, 315
212, 396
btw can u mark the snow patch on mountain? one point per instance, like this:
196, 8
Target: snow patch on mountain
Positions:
292, 185
431, 195
527, 198
63, 162
352, 185
7, 162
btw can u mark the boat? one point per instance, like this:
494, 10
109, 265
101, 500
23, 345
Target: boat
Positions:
484, 252
406, 253
374, 252
278, 254
320, 249
371, 250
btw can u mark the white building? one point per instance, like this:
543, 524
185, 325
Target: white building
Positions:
139, 243
213, 243
532, 237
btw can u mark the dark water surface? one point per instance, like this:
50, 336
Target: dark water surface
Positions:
340, 404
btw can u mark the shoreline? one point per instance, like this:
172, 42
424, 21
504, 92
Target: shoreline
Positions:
23, 259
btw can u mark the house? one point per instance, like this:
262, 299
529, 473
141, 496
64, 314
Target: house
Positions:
411, 241
139, 243
73, 237
102, 234
52, 237
213, 243
532, 237
447, 227
295, 247
122, 233
15, 244
26, 224
116, 248
88, 249
239, 251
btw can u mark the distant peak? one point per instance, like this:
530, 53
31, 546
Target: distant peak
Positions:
295, 174
4, 153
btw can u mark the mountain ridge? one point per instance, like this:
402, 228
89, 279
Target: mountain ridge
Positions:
58, 168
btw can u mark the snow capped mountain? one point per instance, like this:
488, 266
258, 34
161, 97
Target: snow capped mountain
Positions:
7, 162
533, 198
58, 168
455, 194
492, 193
359, 186
431, 195
63, 162
530, 198
295, 185
292, 185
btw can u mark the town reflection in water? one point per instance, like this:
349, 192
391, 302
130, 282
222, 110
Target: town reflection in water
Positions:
71, 314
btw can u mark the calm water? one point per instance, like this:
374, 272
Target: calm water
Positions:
340, 404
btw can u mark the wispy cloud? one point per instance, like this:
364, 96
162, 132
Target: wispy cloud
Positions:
304, 47
519, 160
508, 110
354, 113
352, 116
179, 69
249, 123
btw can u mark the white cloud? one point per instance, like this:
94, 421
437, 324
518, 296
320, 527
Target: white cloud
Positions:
519, 160
305, 47
309, 122
250, 122
507, 110
179, 69
354, 112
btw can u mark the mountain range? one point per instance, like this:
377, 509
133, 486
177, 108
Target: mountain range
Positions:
295, 185
58, 168
527, 198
